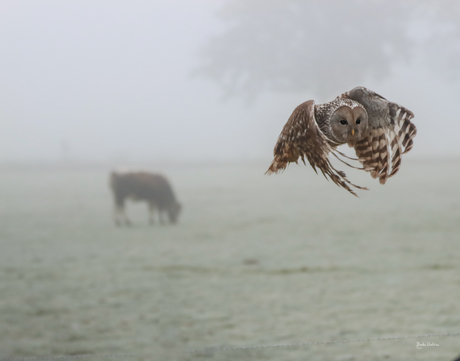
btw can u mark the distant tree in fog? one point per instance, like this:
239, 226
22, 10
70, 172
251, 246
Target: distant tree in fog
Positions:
323, 46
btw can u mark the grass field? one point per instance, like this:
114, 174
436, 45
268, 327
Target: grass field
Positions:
254, 260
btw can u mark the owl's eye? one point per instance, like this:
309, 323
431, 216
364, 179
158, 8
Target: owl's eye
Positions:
358, 121
343, 122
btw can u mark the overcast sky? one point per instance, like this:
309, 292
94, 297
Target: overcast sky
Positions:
111, 80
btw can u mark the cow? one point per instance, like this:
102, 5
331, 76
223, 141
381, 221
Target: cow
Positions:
143, 186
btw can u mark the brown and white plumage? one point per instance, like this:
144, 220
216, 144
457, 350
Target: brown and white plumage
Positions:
390, 134
380, 132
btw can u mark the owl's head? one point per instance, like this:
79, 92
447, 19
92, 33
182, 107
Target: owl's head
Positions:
349, 123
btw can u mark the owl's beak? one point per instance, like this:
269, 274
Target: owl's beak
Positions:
352, 132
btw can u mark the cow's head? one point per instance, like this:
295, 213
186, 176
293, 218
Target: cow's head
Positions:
174, 211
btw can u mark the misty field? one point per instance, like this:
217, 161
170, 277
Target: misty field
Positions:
254, 261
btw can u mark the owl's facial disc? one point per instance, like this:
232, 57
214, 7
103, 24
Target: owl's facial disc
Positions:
349, 124
360, 122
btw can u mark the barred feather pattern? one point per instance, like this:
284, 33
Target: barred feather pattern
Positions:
372, 151
302, 138
381, 150
402, 134
390, 134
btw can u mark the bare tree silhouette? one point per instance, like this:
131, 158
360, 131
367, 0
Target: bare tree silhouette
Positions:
323, 46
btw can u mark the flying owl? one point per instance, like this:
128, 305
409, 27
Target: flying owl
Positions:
380, 132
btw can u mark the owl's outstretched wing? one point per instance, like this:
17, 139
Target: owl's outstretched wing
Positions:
302, 138
390, 133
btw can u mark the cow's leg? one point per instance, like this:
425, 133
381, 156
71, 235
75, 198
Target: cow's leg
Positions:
151, 213
127, 221
120, 217
120, 212
161, 213
116, 216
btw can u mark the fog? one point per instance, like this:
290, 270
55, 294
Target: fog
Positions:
286, 267
193, 81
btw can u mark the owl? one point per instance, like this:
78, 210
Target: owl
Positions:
380, 132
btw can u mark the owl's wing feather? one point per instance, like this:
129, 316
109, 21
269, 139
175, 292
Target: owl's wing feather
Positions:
302, 138
374, 154
402, 134
337, 154
389, 136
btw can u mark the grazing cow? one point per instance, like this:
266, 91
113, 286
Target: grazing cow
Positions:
142, 186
